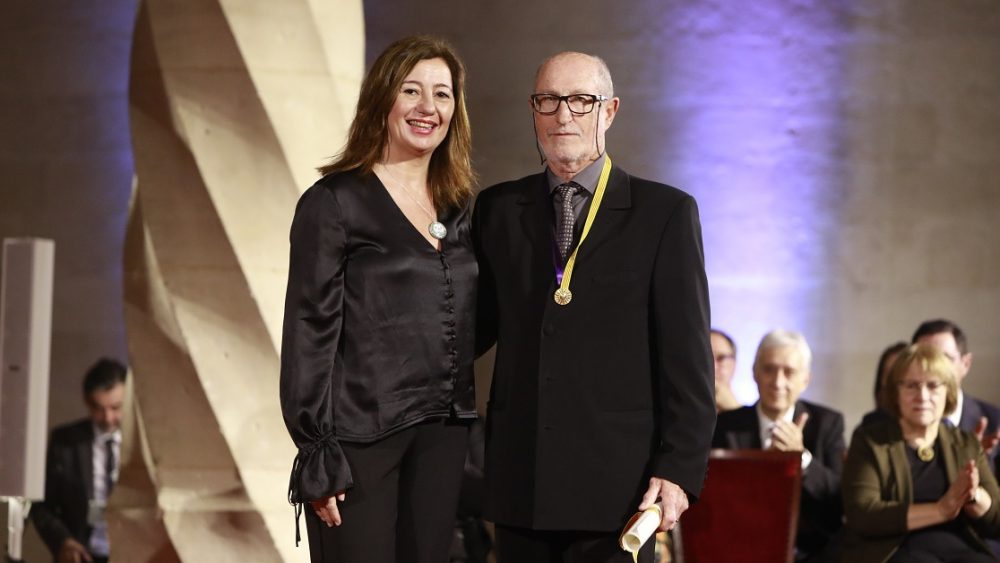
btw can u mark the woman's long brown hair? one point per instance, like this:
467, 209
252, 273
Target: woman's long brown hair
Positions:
450, 177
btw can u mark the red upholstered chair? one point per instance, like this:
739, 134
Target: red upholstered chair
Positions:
748, 510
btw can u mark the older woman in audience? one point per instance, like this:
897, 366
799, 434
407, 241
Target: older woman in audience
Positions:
881, 374
916, 489
724, 351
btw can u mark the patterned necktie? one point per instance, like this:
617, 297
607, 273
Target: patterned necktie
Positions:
109, 466
566, 219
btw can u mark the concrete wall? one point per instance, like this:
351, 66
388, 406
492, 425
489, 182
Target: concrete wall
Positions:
66, 173
67, 168
844, 154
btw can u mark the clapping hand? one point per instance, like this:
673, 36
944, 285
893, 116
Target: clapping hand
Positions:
988, 440
961, 491
787, 436
979, 501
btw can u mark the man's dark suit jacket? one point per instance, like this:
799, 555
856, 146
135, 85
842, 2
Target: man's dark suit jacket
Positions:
823, 435
592, 398
972, 410
69, 484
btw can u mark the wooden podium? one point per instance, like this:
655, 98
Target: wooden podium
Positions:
748, 510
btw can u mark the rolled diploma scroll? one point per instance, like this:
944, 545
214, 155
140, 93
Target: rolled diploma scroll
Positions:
639, 528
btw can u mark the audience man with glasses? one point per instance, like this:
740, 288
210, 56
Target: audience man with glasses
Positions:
724, 351
592, 284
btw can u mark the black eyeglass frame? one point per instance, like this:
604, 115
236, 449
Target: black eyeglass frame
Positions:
595, 99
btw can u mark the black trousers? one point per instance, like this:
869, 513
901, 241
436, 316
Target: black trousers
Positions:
402, 506
521, 545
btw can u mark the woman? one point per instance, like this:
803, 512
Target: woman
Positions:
377, 349
885, 361
724, 350
917, 490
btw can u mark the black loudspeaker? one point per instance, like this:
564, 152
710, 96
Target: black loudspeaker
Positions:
25, 336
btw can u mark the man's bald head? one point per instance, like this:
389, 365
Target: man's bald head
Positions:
601, 72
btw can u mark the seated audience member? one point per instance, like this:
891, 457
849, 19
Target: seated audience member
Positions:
780, 421
971, 414
917, 490
724, 350
81, 468
888, 356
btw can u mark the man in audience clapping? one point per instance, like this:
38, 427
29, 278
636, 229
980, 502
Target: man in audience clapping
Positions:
780, 421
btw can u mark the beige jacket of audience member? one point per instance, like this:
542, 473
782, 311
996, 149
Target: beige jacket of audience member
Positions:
878, 490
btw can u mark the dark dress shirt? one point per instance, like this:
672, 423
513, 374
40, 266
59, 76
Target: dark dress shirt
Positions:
378, 330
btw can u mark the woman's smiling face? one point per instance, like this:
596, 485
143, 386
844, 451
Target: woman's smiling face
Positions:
419, 120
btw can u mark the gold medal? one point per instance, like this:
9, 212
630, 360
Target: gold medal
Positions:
563, 296
925, 453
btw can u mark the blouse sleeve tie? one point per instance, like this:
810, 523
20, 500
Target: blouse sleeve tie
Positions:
320, 470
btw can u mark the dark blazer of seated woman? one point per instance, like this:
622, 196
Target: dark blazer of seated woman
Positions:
885, 511
877, 486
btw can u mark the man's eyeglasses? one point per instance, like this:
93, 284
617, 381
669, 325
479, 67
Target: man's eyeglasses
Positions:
578, 104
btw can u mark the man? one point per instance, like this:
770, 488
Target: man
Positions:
601, 403
81, 469
724, 351
780, 421
971, 414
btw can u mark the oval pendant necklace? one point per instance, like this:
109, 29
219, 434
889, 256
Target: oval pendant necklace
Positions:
435, 228
925, 453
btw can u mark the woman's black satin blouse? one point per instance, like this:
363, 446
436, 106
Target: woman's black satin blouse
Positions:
379, 326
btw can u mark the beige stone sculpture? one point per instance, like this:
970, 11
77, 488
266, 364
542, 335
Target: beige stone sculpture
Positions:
233, 105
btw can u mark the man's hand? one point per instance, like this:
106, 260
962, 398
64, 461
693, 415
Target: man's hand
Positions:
672, 499
989, 441
786, 436
71, 551
326, 509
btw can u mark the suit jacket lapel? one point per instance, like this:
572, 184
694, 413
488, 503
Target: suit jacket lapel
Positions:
971, 413
619, 193
896, 453
749, 438
617, 197
85, 457
536, 222
950, 452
